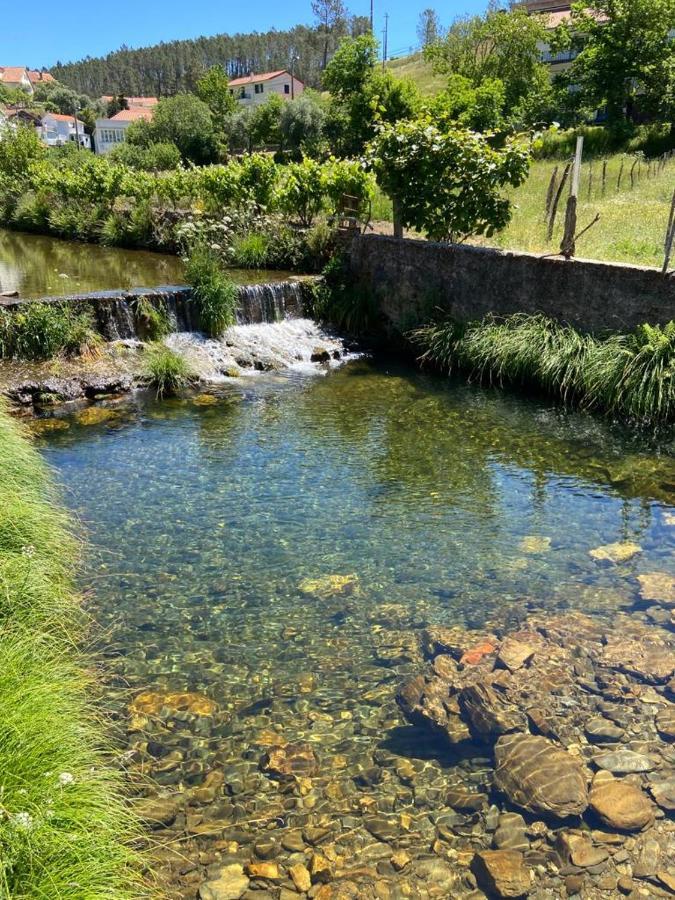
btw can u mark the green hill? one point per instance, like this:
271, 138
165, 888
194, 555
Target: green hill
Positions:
419, 71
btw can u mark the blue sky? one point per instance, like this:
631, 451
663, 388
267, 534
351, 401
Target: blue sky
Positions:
40, 32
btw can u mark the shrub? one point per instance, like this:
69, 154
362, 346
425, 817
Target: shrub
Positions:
250, 251
166, 370
42, 330
302, 191
18, 150
155, 157
214, 293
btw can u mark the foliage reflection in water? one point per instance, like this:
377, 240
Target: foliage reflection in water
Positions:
451, 504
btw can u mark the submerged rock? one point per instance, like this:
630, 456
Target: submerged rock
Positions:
659, 586
291, 760
622, 805
502, 873
616, 553
230, 883
540, 777
327, 586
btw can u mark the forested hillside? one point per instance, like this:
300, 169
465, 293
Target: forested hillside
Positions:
175, 66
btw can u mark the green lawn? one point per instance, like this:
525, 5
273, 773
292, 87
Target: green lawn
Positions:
632, 223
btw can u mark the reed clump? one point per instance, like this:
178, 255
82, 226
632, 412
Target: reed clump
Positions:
631, 376
215, 294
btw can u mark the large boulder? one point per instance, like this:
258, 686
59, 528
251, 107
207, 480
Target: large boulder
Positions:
622, 805
539, 776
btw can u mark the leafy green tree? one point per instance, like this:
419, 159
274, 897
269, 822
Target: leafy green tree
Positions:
214, 89
479, 108
266, 122
499, 44
185, 121
363, 96
625, 59
448, 184
18, 149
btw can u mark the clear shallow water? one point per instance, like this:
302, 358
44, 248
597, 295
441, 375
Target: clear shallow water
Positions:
205, 517
39, 266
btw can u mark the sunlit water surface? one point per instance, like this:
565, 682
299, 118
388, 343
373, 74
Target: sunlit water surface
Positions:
451, 504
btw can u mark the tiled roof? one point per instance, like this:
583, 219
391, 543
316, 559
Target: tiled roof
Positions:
36, 77
12, 74
263, 76
132, 115
61, 118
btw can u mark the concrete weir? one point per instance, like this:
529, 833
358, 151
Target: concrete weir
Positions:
114, 312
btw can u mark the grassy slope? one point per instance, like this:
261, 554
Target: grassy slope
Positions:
632, 224
63, 827
419, 71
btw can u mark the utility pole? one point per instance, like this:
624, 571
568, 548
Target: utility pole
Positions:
371, 17
294, 57
77, 127
385, 32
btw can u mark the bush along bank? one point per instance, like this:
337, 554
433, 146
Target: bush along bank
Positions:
257, 212
64, 829
630, 376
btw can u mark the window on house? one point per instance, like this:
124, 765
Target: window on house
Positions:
287, 89
259, 88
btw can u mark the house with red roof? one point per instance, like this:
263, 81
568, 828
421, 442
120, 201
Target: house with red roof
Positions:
252, 90
111, 132
24, 78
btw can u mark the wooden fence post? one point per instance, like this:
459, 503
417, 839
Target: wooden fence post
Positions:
550, 192
556, 200
670, 234
567, 245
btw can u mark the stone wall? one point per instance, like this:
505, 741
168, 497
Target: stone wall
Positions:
411, 279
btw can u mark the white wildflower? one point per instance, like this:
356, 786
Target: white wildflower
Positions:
23, 820
28, 550
66, 778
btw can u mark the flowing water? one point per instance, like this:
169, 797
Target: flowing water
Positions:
446, 503
41, 266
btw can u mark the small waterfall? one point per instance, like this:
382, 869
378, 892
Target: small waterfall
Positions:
115, 318
293, 343
270, 302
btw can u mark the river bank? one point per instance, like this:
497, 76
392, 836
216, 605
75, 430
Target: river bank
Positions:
64, 828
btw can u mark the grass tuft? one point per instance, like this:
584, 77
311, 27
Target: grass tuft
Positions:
42, 330
166, 370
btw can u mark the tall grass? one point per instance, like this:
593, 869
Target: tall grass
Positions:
631, 376
214, 293
41, 330
64, 830
167, 371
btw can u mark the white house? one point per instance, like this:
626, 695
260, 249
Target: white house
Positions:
112, 132
55, 130
255, 89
